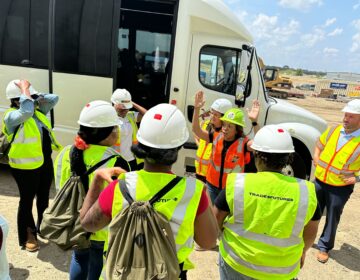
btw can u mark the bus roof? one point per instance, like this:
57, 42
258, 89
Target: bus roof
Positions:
217, 12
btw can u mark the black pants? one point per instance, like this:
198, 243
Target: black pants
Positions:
32, 183
334, 199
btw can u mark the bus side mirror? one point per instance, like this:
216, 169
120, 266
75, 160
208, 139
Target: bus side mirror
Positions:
240, 95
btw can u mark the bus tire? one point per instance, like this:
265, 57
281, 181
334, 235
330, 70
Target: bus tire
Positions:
295, 169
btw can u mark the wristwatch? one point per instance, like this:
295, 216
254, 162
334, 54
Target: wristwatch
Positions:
254, 123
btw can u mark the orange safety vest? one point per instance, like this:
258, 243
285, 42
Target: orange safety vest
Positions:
235, 160
203, 153
332, 164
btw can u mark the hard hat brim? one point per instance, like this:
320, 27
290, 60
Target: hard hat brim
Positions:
348, 110
233, 122
127, 105
116, 122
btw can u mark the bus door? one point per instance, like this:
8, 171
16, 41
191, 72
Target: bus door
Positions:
145, 46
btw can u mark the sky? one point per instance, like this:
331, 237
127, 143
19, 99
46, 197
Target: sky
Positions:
316, 35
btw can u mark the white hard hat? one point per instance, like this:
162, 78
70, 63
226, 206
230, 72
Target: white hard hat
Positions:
98, 113
221, 105
273, 139
122, 96
163, 127
352, 107
12, 91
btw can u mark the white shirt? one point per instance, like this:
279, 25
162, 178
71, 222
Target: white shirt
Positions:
4, 265
126, 138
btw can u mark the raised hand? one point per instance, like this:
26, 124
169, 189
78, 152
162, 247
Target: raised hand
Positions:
253, 114
24, 86
199, 99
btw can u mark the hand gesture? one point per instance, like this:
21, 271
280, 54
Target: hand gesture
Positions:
253, 114
199, 99
24, 86
348, 180
107, 174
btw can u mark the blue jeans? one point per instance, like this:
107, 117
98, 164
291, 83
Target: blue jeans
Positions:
228, 273
87, 263
213, 192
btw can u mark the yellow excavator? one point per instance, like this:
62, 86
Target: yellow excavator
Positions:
276, 85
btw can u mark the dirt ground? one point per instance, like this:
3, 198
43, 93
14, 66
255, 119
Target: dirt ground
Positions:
52, 263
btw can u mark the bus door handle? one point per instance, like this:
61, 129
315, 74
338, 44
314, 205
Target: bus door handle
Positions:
190, 112
26, 62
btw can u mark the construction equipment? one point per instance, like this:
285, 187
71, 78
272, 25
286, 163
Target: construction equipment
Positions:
276, 85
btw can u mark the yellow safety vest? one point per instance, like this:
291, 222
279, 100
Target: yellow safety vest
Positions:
263, 234
179, 205
332, 164
26, 149
131, 117
203, 154
92, 155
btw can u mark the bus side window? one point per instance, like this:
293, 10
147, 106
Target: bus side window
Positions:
18, 42
83, 32
218, 68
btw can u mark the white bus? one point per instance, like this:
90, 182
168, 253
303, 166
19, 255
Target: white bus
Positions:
160, 50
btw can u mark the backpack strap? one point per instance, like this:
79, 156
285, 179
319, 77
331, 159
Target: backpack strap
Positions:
93, 168
12, 139
99, 164
165, 189
126, 194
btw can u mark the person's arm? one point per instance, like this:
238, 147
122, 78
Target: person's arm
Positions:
316, 156
220, 216
206, 229
46, 102
91, 216
25, 111
221, 208
253, 114
17, 117
196, 128
309, 235
141, 111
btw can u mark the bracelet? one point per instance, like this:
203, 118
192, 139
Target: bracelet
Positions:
254, 123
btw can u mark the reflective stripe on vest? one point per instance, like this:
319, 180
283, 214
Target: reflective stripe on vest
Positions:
92, 155
26, 149
262, 268
182, 215
238, 226
58, 165
334, 170
334, 164
234, 162
237, 168
203, 153
262, 235
180, 210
